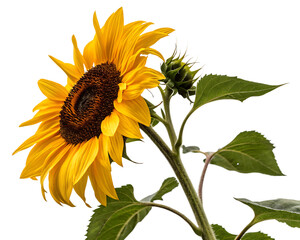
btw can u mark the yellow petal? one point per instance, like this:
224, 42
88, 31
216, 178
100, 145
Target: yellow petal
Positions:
70, 84
101, 197
60, 185
37, 156
153, 52
129, 127
68, 68
39, 118
113, 30
133, 91
103, 142
77, 56
54, 185
128, 65
53, 158
80, 188
89, 54
150, 38
39, 136
47, 103
51, 123
140, 61
102, 179
115, 148
122, 87
52, 90
128, 28
127, 47
84, 158
99, 42
136, 109
110, 124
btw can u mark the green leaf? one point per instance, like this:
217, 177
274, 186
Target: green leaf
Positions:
222, 234
119, 217
216, 87
248, 152
190, 149
282, 210
168, 185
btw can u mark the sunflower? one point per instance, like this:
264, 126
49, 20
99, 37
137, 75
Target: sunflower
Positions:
82, 125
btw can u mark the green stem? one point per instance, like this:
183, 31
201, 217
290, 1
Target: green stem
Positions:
169, 125
163, 121
179, 170
238, 237
179, 140
196, 229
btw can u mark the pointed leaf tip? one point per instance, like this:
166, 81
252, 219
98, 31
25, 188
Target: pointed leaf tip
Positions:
216, 87
249, 152
283, 210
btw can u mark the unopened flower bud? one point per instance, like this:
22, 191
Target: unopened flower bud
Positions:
179, 76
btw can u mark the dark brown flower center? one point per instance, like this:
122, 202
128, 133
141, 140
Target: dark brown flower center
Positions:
88, 103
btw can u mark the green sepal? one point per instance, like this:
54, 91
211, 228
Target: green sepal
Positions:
117, 220
151, 106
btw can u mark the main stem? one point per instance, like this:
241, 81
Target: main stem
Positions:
179, 170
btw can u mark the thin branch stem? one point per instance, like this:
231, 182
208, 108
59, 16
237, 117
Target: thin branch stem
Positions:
207, 162
163, 121
238, 237
196, 229
166, 95
179, 140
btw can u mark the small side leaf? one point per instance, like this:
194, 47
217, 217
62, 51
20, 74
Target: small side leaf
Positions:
282, 210
216, 87
222, 234
190, 149
117, 220
248, 152
168, 185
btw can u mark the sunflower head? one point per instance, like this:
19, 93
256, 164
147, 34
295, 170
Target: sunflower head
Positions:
83, 124
179, 76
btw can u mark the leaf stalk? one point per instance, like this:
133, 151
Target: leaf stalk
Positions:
238, 237
196, 229
209, 156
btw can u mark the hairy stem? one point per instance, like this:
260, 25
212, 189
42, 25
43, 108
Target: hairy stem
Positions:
179, 170
196, 229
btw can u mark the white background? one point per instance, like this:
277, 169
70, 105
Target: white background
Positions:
254, 40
